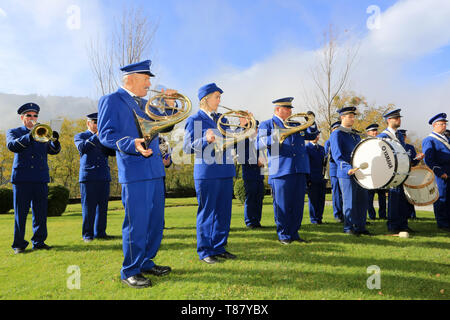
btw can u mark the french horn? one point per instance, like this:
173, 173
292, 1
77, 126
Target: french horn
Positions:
163, 117
292, 126
231, 138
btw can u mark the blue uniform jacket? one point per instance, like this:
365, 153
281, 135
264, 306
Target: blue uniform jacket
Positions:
249, 160
205, 166
331, 162
411, 153
30, 159
118, 130
342, 145
437, 156
292, 157
94, 157
316, 155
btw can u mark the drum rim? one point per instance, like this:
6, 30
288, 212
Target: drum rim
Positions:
422, 185
422, 204
395, 167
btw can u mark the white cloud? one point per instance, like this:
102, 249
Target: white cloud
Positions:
410, 30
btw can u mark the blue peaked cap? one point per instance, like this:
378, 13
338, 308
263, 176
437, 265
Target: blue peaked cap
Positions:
207, 89
284, 102
373, 126
402, 131
139, 67
346, 110
438, 117
92, 116
392, 114
335, 125
28, 107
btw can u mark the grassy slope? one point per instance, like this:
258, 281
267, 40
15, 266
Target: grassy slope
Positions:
332, 266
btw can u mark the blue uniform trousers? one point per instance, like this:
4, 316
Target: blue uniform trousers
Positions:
398, 210
288, 203
316, 198
381, 204
337, 198
143, 225
94, 205
214, 198
254, 196
34, 194
354, 205
442, 206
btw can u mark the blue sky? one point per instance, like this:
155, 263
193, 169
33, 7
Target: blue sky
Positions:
257, 50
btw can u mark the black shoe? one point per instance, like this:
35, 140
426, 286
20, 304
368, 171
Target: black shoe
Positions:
19, 250
211, 260
254, 226
226, 255
301, 240
138, 282
352, 232
285, 242
42, 247
366, 232
158, 271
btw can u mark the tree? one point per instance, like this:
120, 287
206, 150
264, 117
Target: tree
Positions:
129, 41
330, 75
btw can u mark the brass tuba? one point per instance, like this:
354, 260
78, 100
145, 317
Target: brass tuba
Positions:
292, 126
231, 138
164, 121
42, 133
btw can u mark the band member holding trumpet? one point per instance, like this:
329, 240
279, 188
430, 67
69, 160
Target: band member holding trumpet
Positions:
94, 178
372, 131
343, 141
288, 166
437, 157
30, 175
141, 172
213, 175
398, 205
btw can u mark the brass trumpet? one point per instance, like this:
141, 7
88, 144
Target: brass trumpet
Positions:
42, 133
232, 138
292, 126
162, 120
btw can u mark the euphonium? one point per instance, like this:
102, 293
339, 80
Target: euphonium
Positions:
163, 121
230, 138
42, 133
292, 126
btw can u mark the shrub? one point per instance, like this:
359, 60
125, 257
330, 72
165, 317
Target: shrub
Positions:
239, 190
6, 200
58, 198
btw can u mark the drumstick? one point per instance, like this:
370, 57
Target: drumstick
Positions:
362, 166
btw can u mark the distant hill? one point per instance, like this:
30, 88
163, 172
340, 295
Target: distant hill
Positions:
51, 107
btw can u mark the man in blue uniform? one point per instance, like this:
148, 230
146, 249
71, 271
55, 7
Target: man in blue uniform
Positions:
372, 131
94, 178
213, 176
437, 157
335, 189
253, 183
398, 205
343, 141
141, 173
30, 178
411, 150
288, 169
316, 182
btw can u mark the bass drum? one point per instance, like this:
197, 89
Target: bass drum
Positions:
420, 187
384, 163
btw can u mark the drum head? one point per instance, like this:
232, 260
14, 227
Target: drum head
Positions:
419, 177
381, 161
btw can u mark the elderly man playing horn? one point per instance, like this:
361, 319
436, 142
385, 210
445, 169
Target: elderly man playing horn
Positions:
437, 157
30, 178
141, 172
288, 169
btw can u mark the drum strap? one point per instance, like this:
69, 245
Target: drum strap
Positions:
440, 140
391, 135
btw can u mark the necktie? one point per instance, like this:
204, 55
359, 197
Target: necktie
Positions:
139, 102
215, 116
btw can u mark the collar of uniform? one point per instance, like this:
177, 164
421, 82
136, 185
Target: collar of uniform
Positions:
208, 114
129, 92
391, 130
440, 135
347, 130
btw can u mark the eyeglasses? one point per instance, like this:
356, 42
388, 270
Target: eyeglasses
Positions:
31, 115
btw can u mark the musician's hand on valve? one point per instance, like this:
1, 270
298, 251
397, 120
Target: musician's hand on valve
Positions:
138, 144
210, 136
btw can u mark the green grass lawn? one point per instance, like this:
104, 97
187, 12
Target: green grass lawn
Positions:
332, 266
